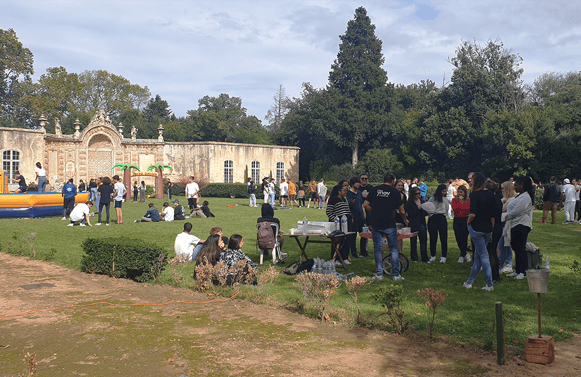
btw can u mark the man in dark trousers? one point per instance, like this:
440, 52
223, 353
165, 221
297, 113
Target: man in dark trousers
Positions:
382, 201
551, 199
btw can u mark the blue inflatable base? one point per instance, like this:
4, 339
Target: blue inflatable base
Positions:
16, 212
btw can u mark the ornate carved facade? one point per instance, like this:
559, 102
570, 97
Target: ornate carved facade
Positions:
93, 152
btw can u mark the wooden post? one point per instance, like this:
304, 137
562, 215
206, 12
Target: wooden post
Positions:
499, 333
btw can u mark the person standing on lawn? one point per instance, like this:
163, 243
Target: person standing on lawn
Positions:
251, 193
569, 199
322, 193
551, 199
521, 223
192, 190
480, 225
313, 194
437, 223
355, 200
40, 177
118, 195
364, 188
69, 192
382, 201
104, 194
283, 188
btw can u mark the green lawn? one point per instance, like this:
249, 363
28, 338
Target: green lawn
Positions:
467, 314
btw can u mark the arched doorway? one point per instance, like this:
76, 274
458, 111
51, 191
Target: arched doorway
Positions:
100, 156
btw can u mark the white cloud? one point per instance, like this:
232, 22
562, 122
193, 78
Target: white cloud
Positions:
184, 50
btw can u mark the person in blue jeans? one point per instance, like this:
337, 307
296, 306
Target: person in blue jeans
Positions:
382, 201
480, 226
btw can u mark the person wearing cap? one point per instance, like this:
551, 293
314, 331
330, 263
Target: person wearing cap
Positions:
179, 212
568, 195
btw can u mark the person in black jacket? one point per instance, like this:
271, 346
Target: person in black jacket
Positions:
551, 199
417, 222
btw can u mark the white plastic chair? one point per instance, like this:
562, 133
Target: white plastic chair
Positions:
276, 251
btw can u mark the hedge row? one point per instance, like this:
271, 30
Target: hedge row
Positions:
123, 258
228, 190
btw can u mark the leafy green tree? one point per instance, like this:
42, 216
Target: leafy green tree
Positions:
378, 162
16, 63
357, 95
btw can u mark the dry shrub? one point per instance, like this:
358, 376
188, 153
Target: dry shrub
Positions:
32, 364
30, 239
353, 286
177, 264
157, 268
264, 279
434, 298
317, 290
204, 273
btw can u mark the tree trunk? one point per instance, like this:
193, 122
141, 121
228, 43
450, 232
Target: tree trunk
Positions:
127, 183
159, 184
355, 156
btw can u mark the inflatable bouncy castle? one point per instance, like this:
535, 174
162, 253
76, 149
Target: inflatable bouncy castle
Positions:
31, 204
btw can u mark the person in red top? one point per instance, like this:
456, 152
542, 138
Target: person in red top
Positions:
461, 210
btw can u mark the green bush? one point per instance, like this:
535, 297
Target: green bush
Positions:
227, 190
122, 257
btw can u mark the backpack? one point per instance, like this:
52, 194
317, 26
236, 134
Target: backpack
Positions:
534, 257
265, 236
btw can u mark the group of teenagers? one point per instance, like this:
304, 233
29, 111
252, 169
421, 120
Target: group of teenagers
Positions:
219, 248
494, 219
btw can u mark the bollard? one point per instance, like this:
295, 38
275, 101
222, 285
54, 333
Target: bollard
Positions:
499, 333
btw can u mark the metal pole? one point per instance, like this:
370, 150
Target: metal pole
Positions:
539, 298
499, 333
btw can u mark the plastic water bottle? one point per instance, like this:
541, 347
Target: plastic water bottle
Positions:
333, 269
337, 224
344, 224
305, 225
325, 268
547, 266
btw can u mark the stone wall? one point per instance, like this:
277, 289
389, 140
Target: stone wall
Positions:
29, 144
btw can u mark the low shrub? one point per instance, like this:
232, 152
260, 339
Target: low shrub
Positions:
228, 190
122, 257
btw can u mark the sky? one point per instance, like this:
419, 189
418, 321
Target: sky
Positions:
185, 50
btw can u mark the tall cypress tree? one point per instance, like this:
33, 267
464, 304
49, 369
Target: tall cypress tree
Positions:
357, 89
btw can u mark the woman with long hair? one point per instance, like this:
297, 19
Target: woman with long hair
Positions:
142, 189
480, 226
355, 200
461, 210
337, 207
399, 223
213, 247
230, 258
417, 222
519, 213
504, 249
40, 177
493, 186
437, 223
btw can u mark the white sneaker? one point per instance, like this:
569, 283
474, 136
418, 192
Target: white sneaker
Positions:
507, 269
520, 276
432, 259
466, 285
511, 275
82, 224
346, 261
487, 288
337, 263
98, 224
467, 258
107, 224
378, 277
71, 225
461, 260
398, 277
443, 260
64, 218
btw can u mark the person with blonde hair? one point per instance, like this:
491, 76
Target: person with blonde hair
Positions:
504, 249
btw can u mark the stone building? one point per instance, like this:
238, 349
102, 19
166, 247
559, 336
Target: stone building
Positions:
93, 152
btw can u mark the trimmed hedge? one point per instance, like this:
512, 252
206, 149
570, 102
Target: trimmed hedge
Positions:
122, 258
227, 190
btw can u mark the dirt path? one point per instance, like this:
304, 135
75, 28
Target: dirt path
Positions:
214, 339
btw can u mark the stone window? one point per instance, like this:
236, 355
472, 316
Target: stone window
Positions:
279, 171
228, 171
11, 162
255, 171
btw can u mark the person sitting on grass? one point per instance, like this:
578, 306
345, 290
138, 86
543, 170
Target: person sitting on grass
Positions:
213, 247
81, 214
230, 258
167, 213
185, 243
179, 212
152, 215
206, 210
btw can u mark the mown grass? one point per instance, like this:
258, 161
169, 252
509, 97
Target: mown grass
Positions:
467, 315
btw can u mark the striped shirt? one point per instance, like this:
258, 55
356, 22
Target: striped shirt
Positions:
337, 208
